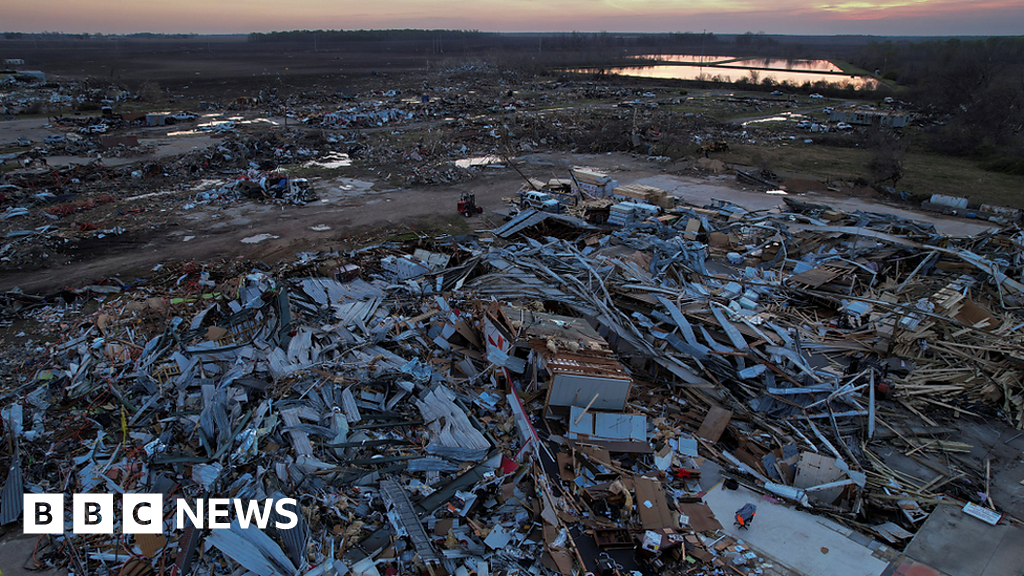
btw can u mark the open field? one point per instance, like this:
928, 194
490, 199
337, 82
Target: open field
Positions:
480, 103
926, 173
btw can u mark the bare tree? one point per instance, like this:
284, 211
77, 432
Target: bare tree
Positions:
886, 163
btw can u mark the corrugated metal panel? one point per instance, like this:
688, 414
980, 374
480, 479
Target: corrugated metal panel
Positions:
325, 290
452, 434
253, 549
734, 335
349, 407
241, 550
12, 497
524, 219
684, 325
531, 217
296, 538
399, 499
431, 463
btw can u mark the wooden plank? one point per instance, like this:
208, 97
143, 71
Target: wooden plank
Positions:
700, 515
714, 424
814, 277
652, 505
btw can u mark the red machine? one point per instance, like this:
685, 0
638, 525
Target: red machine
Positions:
467, 205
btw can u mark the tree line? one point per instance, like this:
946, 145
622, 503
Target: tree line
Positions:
406, 34
974, 88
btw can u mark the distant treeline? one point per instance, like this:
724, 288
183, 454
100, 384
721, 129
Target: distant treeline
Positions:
473, 41
976, 86
88, 36
552, 40
406, 34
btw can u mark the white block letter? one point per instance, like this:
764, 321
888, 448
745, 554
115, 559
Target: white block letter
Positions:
246, 517
285, 512
219, 508
183, 510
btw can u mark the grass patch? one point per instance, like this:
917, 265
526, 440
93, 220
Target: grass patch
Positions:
925, 173
431, 227
806, 159
439, 225
848, 68
935, 174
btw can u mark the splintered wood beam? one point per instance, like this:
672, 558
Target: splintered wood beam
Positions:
589, 404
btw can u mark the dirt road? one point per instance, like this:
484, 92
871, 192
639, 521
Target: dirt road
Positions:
351, 206
35, 129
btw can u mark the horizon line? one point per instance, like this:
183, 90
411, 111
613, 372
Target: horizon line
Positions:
708, 33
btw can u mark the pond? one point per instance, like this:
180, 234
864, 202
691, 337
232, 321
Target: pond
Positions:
746, 63
734, 69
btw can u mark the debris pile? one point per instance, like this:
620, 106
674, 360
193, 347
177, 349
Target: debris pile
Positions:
559, 398
253, 184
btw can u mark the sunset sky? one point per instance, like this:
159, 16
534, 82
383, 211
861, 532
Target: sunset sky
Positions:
902, 17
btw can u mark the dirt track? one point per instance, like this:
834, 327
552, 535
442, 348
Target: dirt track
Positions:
353, 206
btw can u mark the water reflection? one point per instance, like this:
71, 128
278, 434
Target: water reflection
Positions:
747, 63
782, 64
735, 73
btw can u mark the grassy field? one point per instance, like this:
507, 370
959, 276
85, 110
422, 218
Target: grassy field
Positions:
848, 68
925, 173
454, 224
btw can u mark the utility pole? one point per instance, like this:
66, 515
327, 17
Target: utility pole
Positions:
702, 35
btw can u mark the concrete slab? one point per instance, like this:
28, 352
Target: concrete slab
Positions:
16, 555
1008, 559
961, 545
802, 542
698, 191
990, 440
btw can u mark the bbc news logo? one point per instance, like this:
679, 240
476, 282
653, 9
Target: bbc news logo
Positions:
144, 513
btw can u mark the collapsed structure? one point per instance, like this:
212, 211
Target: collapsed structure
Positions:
528, 402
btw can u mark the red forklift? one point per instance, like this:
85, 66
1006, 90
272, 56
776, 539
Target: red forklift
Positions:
467, 205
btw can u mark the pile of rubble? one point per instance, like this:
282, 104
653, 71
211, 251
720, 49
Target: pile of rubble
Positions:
48, 210
526, 403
